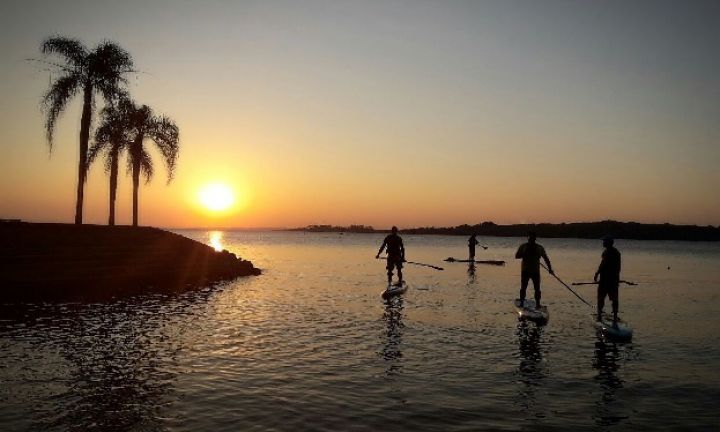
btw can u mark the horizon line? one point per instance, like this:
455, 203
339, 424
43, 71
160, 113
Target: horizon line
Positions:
281, 228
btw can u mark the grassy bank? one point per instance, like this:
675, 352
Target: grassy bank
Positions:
48, 262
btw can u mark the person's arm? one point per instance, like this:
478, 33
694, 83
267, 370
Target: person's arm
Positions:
381, 248
402, 250
520, 252
547, 262
600, 267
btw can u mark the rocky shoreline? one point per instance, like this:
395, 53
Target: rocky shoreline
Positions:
64, 262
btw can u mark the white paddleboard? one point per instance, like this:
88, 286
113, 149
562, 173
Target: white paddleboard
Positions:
621, 332
394, 290
529, 312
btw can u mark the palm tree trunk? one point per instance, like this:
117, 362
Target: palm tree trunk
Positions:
113, 183
136, 189
136, 179
82, 159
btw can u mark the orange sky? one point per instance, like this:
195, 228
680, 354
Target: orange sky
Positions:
387, 113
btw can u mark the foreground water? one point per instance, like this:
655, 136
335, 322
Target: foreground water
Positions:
310, 346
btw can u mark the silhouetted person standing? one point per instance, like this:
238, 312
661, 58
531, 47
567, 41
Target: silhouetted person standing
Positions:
609, 273
530, 253
395, 254
472, 242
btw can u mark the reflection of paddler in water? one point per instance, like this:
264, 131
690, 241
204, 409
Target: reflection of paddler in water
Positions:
531, 367
606, 362
471, 273
530, 253
609, 272
392, 337
529, 347
395, 255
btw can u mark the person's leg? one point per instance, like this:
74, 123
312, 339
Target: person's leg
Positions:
389, 268
600, 301
398, 266
524, 278
536, 285
615, 303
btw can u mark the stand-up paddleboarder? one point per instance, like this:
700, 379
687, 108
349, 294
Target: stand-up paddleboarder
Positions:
530, 253
395, 254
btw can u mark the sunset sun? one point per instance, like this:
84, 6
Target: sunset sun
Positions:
216, 197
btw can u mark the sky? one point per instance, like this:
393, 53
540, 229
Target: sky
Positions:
408, 113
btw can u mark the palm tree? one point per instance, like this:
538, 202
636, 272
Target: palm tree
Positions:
144, 125
112, 138
101, 70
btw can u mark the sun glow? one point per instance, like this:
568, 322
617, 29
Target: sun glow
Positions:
216, 240
216, 197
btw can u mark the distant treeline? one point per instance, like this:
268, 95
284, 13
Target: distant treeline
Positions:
332, 228
589, 230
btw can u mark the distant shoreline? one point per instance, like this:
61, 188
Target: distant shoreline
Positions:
580, 230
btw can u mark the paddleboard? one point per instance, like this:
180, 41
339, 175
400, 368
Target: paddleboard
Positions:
530, 313
621, 332
491, 262
394, 290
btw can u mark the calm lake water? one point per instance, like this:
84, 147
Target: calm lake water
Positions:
309, 345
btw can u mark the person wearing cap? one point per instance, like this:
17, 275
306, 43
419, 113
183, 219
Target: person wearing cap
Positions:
609, 274
395, 254
472, 242
530, 253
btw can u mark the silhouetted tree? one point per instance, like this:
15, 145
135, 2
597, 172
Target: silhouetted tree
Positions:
144, 125
100, 70
112, 138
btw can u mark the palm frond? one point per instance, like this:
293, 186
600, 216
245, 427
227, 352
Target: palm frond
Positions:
108, 66
56, 99
166, 135
161, 130
110, 151
143, 118
113, 158
146, 165
71, 49
113, 135
96, 149
116, 99
134, 151
115, 57
113, 126
51, 66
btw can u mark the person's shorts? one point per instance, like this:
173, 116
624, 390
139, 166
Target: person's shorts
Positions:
526, 276
393, 262
608, 289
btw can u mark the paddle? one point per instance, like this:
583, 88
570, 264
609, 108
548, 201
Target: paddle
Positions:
582, 299
491, 262
595, 283
566, 286
420, 264
425, 265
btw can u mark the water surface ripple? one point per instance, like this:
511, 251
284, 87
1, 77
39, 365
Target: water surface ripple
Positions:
309, 345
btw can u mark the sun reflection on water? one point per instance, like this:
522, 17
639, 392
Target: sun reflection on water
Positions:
216, 240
